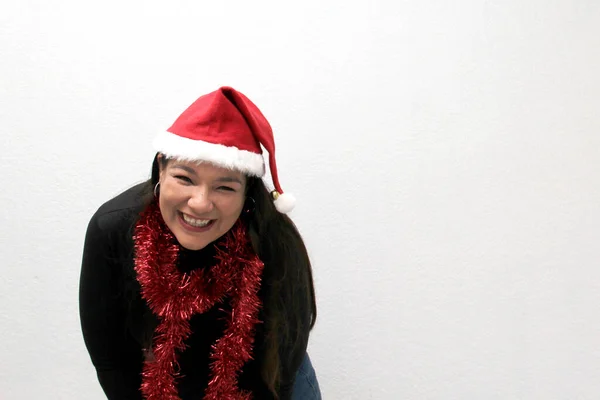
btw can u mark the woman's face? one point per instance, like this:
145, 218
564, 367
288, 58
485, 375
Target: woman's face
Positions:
200, 202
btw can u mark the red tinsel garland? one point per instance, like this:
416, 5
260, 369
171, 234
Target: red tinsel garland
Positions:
175, 296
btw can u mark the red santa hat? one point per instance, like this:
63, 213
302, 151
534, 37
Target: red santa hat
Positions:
226, 129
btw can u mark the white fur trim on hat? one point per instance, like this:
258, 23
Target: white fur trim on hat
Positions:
182, 148
285, 203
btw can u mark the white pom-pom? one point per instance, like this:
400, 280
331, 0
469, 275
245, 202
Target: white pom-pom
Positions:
285, 203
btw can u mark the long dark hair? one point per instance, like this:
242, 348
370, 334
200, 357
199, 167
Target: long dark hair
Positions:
289, 306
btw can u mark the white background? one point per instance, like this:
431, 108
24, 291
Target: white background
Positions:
445, 156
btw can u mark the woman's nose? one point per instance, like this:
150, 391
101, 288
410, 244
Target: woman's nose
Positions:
200, 201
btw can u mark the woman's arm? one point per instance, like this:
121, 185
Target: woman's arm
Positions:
292, 362
116, 357
293, 354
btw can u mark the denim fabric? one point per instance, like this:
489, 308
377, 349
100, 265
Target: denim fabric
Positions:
306, 386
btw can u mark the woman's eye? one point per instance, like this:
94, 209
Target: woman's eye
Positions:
226, 188
183, 178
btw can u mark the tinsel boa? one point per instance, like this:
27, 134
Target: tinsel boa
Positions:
175, 296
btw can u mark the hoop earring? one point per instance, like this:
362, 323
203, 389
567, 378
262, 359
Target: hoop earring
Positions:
156, 189
249, 208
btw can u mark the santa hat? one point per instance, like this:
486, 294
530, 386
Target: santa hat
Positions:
226, 129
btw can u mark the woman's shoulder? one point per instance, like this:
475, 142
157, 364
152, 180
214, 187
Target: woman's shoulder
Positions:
122, 210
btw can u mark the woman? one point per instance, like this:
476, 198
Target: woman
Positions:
195, 284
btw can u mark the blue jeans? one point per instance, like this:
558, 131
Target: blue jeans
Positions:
306, 386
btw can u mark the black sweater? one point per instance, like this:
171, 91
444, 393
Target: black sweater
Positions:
115, 319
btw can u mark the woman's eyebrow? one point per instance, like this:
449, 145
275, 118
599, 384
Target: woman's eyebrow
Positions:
229, 179
185, 168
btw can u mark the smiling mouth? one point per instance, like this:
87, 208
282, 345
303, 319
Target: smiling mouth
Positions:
196, 222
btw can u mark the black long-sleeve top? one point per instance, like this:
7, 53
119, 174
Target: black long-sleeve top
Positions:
115, 319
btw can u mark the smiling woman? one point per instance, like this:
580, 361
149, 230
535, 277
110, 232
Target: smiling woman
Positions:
199, 202
196, 284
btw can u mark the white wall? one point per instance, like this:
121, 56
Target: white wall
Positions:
445, 156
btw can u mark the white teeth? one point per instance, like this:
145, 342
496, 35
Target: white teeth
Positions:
199, 223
